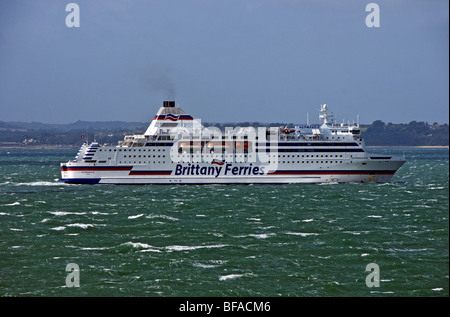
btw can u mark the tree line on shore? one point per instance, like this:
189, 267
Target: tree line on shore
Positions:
378, 133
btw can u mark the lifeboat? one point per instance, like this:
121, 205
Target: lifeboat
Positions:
190, 144
287, 131
242, 145
218, 144
190, 147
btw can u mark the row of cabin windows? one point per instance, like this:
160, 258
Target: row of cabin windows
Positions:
159, 150
145, 156
139, 150
285, 156
303, 162
132, 150
244, 156
140, 162
307, 155
312, 162
241, 156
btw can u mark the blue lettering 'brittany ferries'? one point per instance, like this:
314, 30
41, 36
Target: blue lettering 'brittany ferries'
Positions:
196, 169
177, 149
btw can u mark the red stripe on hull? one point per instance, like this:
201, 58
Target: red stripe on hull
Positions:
332, 173
149, 173
95, 169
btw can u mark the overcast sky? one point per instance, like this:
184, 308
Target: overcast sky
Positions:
224, 61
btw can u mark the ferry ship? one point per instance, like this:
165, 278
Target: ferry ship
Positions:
177, 149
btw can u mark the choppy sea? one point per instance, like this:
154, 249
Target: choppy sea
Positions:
236, 240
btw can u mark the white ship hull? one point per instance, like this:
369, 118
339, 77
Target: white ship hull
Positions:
372, 171
177, 149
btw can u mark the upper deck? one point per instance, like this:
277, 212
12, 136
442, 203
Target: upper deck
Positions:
171, 123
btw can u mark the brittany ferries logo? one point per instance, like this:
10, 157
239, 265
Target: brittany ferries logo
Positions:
218, 162
237, 152
227, 170
173, 117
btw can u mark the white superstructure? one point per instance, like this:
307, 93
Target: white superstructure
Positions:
178, 149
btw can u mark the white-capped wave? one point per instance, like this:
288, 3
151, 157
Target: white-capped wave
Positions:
204, 266
257, 235
233, 276
302, 234
195, 247
13, 204
141, 247
94, 249
209, 265
230, 277
261, 235
81, 225
102, 213
138, 245
162, 216
58, 228
355, 233
65, 213
41, 183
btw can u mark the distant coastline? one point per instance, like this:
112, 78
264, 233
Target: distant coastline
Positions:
36, 135
38, 147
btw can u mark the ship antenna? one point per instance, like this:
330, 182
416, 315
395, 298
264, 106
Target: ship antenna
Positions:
324, 115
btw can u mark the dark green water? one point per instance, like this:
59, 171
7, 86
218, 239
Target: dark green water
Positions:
261, 240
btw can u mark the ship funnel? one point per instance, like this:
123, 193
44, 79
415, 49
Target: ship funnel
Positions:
168, 104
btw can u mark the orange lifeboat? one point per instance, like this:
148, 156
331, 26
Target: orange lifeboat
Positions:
242, 145
287, 131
